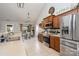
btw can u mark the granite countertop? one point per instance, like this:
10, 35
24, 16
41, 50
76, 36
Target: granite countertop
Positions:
50, 34
58, 35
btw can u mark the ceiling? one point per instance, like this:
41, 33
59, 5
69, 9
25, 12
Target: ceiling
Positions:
10, 11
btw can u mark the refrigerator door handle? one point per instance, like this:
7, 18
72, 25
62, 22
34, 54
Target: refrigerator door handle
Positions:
71, 26
74, 27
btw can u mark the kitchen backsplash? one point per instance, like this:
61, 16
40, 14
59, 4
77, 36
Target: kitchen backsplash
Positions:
53, 31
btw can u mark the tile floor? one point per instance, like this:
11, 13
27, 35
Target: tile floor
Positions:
13, 48
30, 47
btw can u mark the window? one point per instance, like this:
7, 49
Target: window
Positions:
9, 28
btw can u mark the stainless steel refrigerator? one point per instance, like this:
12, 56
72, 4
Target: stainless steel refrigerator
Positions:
69, 42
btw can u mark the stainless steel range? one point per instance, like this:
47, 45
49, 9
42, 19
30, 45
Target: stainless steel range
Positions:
69, 42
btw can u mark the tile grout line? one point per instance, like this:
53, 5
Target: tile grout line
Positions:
25, 48
26, 51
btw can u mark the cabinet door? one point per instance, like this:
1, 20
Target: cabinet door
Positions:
50, 18
56, 22
40, 38
42, 24
45, 23
57, 43
52, 42
45, 20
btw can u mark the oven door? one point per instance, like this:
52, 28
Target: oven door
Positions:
66, 26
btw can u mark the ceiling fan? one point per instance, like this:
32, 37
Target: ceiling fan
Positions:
20, 5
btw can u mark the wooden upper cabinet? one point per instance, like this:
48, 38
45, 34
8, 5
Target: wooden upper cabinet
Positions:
56, 22
56, 19
53, 19
41, 24
50, 18
45, 20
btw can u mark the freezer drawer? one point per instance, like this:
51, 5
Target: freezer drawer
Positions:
66, 51
68, 48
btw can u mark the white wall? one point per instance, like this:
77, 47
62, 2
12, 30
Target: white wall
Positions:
58, 7
16, 26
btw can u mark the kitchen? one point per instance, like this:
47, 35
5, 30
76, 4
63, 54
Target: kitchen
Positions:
60, 32
48, 30
39, 30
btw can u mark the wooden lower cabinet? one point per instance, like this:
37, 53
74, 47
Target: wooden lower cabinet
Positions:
51, 42
40, 38
55, 43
